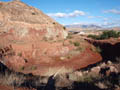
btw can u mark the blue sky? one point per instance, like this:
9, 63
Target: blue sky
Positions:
100, 12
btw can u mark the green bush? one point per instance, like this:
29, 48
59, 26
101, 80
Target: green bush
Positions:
93, 36
105, 35
108, 34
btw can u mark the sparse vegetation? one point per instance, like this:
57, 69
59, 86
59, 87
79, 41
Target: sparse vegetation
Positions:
12, 79
64, 28
105, 35
96, 49
22, 68
93, 36
19, 54
45, 39
68, 57
33, 68
80, 49
69, 36
53, 22
54, 62
76, 44
70, 42
33, 13
86, 78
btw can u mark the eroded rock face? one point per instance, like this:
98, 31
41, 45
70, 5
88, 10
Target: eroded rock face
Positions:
47, 58
110, 48
22, 20
111, 41
31, 42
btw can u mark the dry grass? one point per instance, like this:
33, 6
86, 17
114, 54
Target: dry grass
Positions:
54, 71
11, 79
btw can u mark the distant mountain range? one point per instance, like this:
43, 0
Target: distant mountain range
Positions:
89, 27
83, 26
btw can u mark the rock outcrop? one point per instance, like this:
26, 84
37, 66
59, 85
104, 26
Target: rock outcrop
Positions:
31, 42
25, 22
110, 48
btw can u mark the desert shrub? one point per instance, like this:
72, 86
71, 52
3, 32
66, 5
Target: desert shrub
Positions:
33, 13
108, 34
105, 35
93, 36
97, 49
53, 22
68, 57
45, 39
33, 68
81, 49
76, 43
64, 28
69, 36
88, 79
70, 42
19, 54
22, 68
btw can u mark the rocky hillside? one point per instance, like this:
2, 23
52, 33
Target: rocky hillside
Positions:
21, 19
31, 42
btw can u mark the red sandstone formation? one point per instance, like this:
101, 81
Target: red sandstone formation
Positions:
26, 22
31, 42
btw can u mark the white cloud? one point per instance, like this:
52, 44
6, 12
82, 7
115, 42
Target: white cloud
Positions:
106, 23
105, 19
85, 23
75, 13
110, 23
99, 16
96, 17
115, 11
59, 15
90, 17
